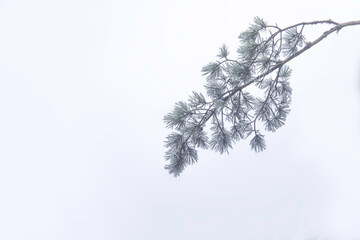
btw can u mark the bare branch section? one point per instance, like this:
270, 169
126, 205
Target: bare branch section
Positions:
231, 110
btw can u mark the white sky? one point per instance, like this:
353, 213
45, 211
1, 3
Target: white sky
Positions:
84, 86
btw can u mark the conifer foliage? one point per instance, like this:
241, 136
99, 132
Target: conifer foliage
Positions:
231, 112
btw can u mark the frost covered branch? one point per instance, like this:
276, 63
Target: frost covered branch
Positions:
232, 111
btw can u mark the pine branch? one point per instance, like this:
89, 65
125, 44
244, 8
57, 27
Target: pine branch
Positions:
259, 56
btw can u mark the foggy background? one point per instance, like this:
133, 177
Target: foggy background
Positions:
84, 86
